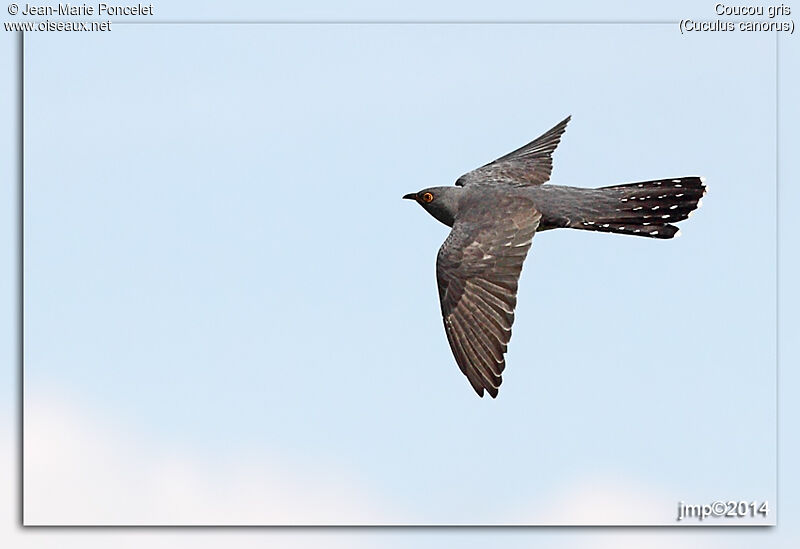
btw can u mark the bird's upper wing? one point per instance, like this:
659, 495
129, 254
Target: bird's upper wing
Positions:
477, 269
531, 164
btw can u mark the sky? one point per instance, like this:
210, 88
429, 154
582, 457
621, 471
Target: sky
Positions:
231, 316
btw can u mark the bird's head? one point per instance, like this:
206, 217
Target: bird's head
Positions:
440, 202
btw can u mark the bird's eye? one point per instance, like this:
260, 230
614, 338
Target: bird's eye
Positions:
427, 197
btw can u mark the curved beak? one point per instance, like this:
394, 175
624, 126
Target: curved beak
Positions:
410, 196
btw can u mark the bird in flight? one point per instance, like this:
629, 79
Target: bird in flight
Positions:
494, 212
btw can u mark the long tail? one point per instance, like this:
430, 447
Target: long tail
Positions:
648, 208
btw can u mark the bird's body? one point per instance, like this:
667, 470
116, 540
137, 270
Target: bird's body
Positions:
494, 212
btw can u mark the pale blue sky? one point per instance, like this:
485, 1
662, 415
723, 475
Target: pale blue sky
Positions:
216, 251
202, 182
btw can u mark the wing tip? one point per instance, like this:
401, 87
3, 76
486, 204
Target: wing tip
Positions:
492, 391
557, 131
562, 126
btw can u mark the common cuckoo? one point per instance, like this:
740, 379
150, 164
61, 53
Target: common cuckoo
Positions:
494, 212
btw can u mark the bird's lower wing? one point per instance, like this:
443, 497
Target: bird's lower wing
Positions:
478, 269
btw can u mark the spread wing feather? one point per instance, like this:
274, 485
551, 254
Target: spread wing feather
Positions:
531, 164
477, 270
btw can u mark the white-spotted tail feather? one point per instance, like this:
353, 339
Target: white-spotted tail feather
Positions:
647, 208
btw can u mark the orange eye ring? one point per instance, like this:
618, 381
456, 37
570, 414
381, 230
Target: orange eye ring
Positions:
427, 197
